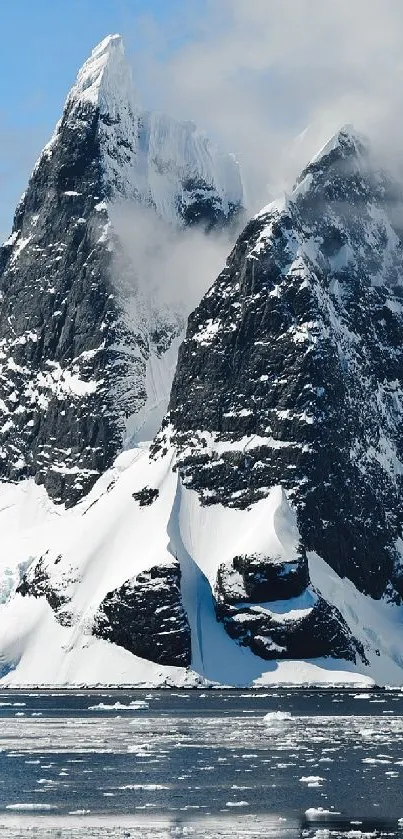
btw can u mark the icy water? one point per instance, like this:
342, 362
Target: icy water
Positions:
201, 764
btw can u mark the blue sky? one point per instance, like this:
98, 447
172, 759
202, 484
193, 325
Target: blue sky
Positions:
44, 42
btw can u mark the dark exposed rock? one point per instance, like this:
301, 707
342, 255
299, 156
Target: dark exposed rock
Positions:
319, 631
260, 579
146, 496
146, 617
37, 582
200, 205
245, 589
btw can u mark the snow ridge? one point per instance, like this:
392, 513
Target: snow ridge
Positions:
105, 79
346, 141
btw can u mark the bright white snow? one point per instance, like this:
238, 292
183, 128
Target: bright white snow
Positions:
107, 538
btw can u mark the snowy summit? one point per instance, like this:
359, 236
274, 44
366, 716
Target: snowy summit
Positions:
105, 77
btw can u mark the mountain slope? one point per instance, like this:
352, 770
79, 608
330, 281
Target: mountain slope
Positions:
292, 367
53, 629
80, 336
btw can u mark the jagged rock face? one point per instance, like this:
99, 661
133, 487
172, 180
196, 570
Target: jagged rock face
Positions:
267, 605
319, 632
39, 586
76, 332
37, 582
146, 617
260, 579
292, 368
58, 323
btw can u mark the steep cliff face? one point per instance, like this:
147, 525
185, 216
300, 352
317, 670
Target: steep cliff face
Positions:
292, 368
81, 340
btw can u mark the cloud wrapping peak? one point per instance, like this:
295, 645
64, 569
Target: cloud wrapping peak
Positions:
257, 74
172, 267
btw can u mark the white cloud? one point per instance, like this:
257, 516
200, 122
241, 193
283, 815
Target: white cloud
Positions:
255, 73
175, 267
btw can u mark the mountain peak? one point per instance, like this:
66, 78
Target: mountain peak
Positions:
113, 41
105, 76
346, 141
347, 148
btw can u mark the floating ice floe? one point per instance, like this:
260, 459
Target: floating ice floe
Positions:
312, 780
273, 717
30, 806
318, 812
137, 705
237, 804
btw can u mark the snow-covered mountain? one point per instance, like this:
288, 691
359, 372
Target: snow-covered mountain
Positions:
87, 351
291, 374
258, 539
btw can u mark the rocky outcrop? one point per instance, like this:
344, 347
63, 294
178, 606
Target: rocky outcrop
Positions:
146, 617
38, 581
146, 496
261, 578
319, 632
268, 606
